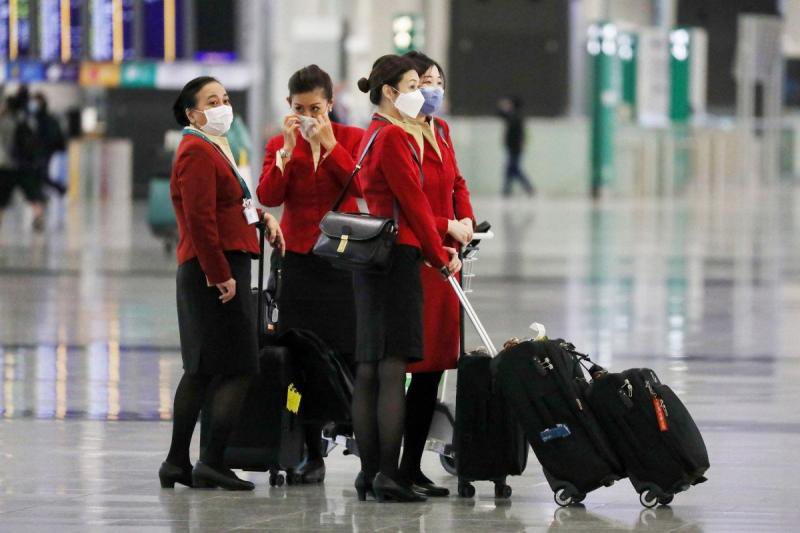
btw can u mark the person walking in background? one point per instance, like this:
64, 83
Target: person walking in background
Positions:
389, 305
19, 156
305, 169
50, 139
510, 110
449, 199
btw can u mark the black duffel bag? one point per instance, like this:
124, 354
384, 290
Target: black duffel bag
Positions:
358, 241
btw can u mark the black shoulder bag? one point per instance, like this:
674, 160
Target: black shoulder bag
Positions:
357, 241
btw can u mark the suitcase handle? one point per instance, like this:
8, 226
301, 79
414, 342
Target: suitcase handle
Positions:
473, 316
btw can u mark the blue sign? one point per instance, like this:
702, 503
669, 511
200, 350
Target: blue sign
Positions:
26, 71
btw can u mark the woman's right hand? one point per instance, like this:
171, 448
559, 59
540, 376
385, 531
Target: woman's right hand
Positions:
291, 126
459, 231
227, 290
454, 265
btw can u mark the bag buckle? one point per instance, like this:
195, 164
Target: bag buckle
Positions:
342, 244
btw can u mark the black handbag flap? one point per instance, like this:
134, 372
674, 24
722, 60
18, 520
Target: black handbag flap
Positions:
357, 226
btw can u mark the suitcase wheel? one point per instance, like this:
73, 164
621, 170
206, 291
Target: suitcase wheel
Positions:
666, 500
276, 480
564, 497
449, 464
501, 490
648, 499
466, 489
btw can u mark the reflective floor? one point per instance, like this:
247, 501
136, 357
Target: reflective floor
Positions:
705, 292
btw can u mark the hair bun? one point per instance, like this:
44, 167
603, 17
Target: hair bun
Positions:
363, 85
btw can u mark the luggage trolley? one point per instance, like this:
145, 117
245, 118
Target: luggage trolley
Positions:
440, 435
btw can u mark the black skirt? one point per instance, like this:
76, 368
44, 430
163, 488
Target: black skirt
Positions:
318, 297
389, 309
217, 338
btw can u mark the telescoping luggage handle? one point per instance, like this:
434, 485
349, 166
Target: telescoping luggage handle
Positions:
473, 316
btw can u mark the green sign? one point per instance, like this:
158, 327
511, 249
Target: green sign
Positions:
679, 53
138, 74
602, 48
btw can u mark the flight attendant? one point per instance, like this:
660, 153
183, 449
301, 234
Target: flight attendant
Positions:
217, 240
449, 198
389, 305
305, 169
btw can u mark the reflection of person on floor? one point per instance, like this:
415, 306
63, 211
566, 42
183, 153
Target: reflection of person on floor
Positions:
17, 150
510, 110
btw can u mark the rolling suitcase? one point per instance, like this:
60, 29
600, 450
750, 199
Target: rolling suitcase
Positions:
269, 436
542, 383
161, 213
652, 431
488, 443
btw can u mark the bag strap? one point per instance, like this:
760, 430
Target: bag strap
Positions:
242, 183
340, 198
414, 154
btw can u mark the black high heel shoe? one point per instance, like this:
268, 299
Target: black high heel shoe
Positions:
170, 474
207, 477
363, 486
309, 471
387, 489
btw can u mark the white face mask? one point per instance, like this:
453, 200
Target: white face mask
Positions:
409, 103
307, 125
218, 120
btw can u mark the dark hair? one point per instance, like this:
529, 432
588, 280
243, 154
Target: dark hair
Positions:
423, 63
188, 98
309, 78
387, 70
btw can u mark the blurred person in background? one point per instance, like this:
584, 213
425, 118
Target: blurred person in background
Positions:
18, 161
216, 320
510, 110
389, 304
50, 140
305, 169
449, 199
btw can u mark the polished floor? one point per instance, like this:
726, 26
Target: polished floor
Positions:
707, 292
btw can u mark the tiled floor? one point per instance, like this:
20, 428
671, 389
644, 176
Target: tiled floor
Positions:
708, 294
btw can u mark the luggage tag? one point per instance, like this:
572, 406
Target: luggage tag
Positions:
293, 398
559, 431
250, 211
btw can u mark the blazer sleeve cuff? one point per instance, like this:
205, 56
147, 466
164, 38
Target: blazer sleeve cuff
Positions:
216, 268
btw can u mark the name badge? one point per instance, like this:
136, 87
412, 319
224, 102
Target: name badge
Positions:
250, 211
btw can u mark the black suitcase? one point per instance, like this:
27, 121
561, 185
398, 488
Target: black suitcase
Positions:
269, 436
542, 383
651, 430
488, 443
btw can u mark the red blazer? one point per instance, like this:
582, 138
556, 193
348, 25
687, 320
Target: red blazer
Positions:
208, 205
389, 174
307, 194
449, 198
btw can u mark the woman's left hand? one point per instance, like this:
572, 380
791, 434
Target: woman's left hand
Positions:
323, 133
274, 233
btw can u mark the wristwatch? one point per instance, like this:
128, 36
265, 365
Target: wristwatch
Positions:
283, 154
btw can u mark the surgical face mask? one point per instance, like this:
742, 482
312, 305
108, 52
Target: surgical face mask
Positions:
409, 103
218, 120
307, 125
433, 100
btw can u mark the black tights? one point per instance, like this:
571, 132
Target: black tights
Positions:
420, 404
378, 414
229, 393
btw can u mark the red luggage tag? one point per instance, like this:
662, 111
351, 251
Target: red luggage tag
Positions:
660, 415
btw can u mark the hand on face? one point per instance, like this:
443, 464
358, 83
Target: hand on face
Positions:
322, 132
290, 129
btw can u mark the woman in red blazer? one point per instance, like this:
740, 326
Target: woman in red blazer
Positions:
217, 240
305, 169
449, 198
389, 305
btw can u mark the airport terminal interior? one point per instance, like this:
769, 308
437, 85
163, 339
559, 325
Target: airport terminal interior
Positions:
663, 233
